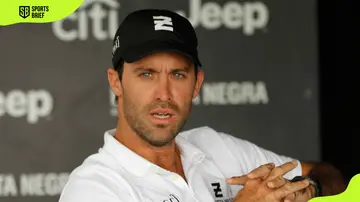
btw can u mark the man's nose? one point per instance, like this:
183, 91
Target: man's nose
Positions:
163, 89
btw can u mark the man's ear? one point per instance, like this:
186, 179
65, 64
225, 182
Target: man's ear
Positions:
114, 82
199, 82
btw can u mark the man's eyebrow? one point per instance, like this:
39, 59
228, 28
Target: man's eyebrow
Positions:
181, 69
143, 68
151, 70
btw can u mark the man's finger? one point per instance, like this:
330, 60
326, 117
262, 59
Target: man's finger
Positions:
261, 171
290, 188
238, 180
277, 182
290, 197
282, 170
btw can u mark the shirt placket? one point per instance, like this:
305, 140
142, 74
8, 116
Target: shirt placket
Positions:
180, 182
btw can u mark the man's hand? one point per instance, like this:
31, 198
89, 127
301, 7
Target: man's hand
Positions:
266, 183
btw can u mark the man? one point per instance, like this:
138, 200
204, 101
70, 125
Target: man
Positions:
156, 75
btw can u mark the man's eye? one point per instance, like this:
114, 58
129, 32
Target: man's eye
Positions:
146, 74
178, 75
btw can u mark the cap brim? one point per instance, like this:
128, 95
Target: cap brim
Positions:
136, 53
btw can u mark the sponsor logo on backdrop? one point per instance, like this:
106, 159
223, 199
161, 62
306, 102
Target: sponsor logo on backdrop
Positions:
233, 93
32, 184
223, 93
32, 105
248, 16
97, 19
33, 11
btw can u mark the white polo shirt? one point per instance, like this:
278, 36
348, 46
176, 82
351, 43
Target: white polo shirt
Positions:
116, 174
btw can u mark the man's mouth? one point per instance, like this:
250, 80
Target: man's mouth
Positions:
161, 115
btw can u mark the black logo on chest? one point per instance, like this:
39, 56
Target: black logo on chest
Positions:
217, 189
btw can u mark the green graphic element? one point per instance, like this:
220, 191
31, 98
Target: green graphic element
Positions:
351, 194
36, 11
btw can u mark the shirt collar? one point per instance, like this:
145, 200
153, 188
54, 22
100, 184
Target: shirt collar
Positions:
138, 165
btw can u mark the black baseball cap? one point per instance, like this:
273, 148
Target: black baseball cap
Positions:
147, 31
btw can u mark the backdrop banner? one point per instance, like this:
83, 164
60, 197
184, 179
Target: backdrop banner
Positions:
260, 63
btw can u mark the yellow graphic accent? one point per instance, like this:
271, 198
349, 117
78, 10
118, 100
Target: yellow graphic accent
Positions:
351, 194
36, 11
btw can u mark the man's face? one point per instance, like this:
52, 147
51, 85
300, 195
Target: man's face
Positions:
157, 93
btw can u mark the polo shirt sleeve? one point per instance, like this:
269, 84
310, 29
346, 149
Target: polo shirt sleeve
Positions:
92, 187
250, 156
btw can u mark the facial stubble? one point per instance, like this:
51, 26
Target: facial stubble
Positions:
137, 117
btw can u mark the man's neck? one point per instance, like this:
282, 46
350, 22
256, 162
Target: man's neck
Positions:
167, 157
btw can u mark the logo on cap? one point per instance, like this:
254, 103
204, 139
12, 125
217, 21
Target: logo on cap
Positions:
163, 23
116, 45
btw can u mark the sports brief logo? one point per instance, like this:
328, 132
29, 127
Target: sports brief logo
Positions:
248, 16
24, 11
95, 18
163, 23
36, 11
32, 105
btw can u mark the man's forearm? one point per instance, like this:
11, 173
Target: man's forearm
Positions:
330, 178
